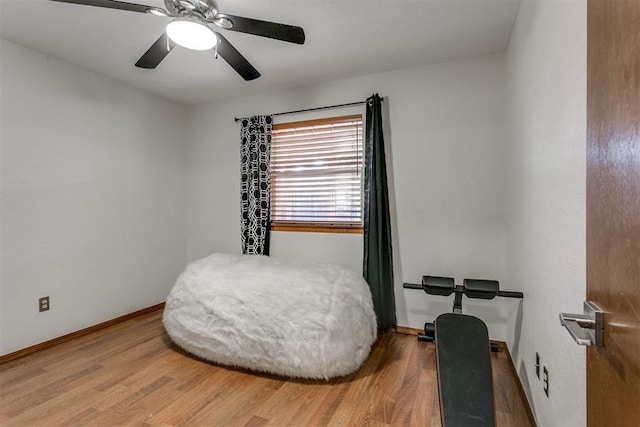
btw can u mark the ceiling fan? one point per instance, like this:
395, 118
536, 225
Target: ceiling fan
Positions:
190, 27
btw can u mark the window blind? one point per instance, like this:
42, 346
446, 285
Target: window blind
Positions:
316, 172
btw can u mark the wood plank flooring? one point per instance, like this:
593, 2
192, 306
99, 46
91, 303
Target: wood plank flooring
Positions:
131, 374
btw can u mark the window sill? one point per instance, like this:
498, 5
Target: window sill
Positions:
317, 228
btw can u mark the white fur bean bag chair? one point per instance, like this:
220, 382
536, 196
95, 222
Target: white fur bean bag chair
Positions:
272, 315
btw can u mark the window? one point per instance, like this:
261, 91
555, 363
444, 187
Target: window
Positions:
316, 175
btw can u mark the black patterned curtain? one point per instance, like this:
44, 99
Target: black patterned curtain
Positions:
255, 136
378, 258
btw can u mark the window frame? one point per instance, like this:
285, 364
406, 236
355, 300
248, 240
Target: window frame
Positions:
322, 226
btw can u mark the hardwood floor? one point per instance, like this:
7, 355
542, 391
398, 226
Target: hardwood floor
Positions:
131, 374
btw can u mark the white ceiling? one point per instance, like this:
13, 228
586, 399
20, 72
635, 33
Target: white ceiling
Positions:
343, 39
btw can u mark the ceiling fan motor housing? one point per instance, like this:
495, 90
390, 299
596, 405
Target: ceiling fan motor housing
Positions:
207, 9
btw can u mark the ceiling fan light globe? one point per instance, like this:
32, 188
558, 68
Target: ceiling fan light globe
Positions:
191, 34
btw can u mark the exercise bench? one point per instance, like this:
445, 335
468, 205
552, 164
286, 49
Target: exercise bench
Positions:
465, 383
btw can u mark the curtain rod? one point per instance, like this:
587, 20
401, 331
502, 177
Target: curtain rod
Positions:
314, 109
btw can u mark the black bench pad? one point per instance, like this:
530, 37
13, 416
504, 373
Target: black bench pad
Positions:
464, 371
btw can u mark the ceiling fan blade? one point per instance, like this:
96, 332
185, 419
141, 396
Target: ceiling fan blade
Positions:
235, 59
111, 4
272, 30
156, 52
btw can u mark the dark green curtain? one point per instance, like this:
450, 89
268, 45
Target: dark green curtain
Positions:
378, 258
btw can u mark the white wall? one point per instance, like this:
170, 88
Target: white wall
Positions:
92, 197
92, 206
445, 146
546, 104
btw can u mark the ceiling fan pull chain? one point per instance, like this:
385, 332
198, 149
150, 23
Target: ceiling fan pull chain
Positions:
215, 51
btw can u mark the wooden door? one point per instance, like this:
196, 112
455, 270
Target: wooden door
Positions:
613, 209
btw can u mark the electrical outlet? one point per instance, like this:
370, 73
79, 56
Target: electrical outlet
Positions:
44, 303
545, 381
537, 365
